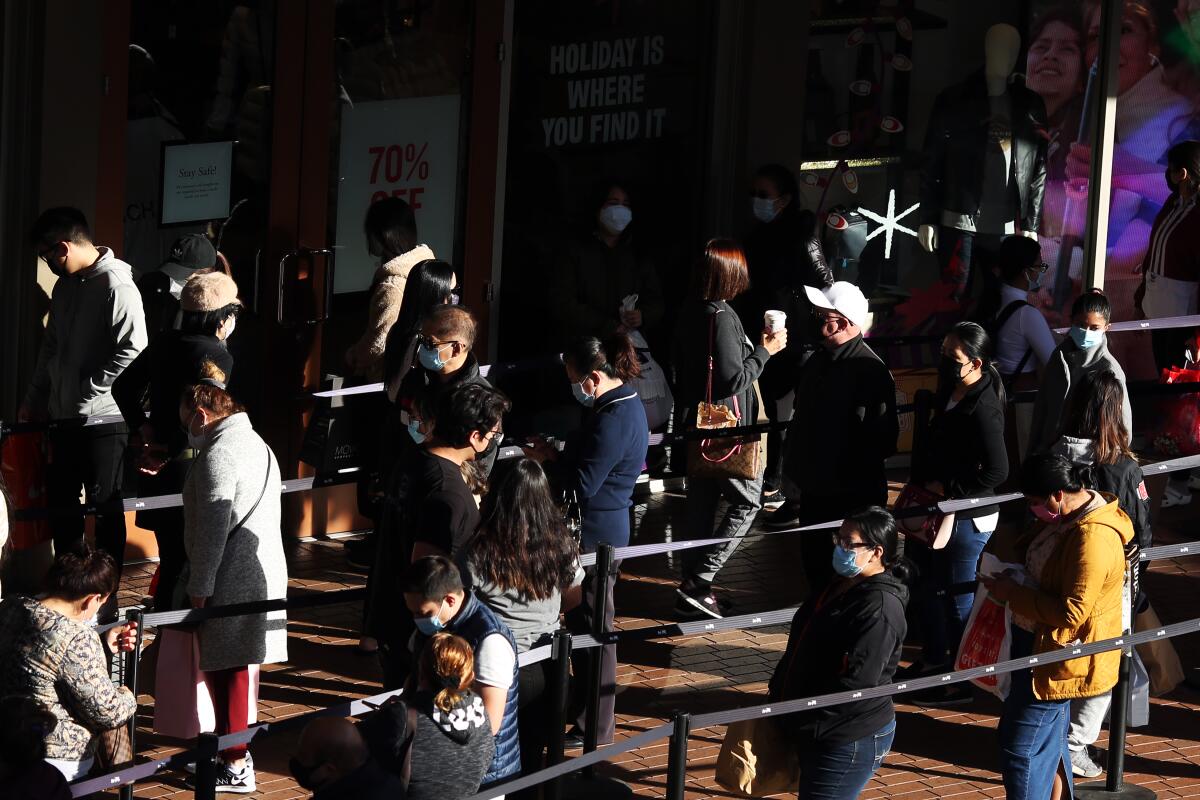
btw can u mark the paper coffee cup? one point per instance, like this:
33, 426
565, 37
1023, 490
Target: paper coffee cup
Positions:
775, 321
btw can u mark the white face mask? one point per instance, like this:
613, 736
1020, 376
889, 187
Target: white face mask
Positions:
195, 440
230, 324
764, 209
615, 219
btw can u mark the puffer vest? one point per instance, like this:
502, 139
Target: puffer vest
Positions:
475, 623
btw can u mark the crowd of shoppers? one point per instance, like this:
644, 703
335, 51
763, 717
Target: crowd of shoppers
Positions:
474, 559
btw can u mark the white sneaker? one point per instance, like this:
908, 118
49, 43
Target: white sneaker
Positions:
1194, 482
1082, 765
236, 781
1174, 496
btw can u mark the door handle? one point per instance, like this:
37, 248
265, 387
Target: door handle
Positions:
329, 272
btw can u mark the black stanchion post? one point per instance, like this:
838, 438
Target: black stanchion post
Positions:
677, 752
206, 766
604, 559
133, 615
560, 688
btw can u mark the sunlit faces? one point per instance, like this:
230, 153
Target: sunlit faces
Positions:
1138, 47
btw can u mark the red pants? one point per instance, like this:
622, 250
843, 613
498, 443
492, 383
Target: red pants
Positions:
230, 690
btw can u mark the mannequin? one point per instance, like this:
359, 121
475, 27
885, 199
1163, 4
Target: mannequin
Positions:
984, 170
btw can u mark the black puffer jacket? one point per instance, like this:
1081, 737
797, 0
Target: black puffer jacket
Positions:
963, 448
837, 643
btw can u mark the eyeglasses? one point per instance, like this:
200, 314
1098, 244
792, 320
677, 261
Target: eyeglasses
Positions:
1040, 268
47, 254
426, 341
846, 545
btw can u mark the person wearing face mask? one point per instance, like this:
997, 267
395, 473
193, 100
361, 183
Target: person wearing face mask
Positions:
234, 545
434, 595
176, 359
95, 329
601, 465
1071, 593
717, 358
1083, 352
783, 255
333, 762
848, 636
600, 270
844, 429
433, 511
960, 454
1024, 341
54, 656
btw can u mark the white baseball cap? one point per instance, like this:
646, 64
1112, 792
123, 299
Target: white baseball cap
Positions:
843, 297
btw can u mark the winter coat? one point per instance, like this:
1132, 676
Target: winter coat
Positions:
163, 370
1123, 480
587, 288
963, 448
365, 356
845, 426
96, 329
1068, 366
737, 363
1078, 599
61, 663
234, 469
850, 641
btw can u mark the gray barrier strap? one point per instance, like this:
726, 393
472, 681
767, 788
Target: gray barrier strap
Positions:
781, 616
194, 615
1160, 324
1013, 665
1170, 551
585, 760
536, 655
130, 774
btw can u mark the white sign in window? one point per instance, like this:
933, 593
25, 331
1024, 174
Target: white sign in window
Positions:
196, 181
406, 148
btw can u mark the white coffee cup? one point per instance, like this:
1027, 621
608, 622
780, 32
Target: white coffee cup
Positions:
775, 321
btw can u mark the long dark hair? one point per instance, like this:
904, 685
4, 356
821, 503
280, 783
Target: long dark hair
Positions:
522, 544
1045, 473
427, 287
975, 343
615, 356
1095, 412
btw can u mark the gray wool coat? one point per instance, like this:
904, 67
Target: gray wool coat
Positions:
222, 486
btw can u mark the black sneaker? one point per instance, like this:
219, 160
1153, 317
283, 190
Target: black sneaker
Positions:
786, 516
236, 781
951, 696
696, 602
773, 499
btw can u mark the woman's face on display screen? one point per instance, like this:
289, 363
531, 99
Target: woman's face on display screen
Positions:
1055, 64
1136, 58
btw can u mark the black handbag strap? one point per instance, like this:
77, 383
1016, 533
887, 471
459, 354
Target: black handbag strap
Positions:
261, 495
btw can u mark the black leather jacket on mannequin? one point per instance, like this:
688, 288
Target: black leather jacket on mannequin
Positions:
955, 144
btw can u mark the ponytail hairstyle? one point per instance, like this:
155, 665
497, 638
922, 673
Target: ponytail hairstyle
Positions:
209, 393
615, 357
975, 343
448, 666
1094, 412
1045, 474
1093, 301
878, 529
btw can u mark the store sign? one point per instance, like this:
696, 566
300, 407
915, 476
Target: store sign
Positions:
405, 148
196, 181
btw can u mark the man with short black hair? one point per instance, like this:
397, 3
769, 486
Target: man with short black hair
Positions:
430, 510
434, 593
95, 329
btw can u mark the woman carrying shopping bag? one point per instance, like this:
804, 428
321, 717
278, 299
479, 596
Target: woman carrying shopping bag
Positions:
231, 504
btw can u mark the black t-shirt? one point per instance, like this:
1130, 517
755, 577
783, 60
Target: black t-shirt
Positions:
444, 513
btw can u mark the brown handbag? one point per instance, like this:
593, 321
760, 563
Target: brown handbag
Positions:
737, 457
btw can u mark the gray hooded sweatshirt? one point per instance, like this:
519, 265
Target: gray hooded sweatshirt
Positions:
96, 328
1069, 365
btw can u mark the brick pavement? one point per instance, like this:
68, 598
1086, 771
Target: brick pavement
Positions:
938, 753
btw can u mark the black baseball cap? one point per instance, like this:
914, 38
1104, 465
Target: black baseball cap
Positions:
193, 252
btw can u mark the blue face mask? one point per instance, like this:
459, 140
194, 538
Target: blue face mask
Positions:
844, 562
615, 218
414, 430
1035, 282
428, 626
1084, 338
585, 399
763, 208
431, 358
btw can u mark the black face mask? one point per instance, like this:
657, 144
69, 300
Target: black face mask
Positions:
949, 372
302, 774
492, 444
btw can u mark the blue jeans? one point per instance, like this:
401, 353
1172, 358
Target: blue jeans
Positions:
1032, 733
840, 771
944, 593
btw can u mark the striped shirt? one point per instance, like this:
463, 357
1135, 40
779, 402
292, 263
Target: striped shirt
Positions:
1174, 250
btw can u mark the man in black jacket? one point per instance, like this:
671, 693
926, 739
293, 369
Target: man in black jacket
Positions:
844, 428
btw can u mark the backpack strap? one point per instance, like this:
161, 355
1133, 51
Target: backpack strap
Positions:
1002, 319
